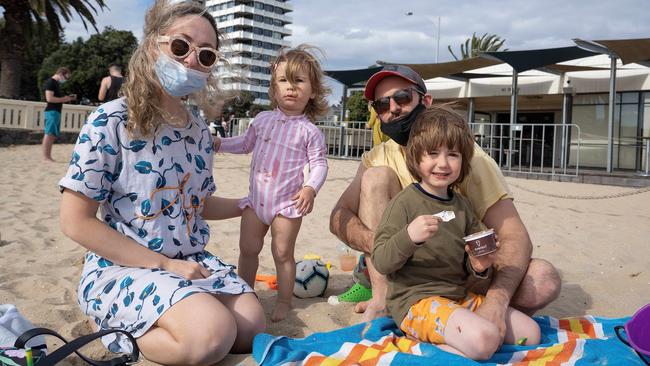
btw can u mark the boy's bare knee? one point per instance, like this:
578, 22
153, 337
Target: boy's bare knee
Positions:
485, 340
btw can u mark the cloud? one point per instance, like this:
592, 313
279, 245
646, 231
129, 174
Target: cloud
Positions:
121, 15
355, 34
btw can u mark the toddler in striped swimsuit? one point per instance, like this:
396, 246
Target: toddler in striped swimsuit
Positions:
283, 141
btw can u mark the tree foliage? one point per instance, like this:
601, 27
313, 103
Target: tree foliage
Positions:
358, 107
16, 31
88, 60
474, 45
242, 105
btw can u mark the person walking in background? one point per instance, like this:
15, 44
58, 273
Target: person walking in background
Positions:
55, 99
283, 141
110, 85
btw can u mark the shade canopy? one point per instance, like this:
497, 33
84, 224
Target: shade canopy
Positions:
350, 78
533, 59
430, 71
629, 50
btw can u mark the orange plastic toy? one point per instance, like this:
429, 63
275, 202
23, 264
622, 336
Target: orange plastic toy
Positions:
270, 280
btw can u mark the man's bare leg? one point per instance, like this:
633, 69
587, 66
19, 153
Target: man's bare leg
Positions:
48, 141
378, 186
540, 286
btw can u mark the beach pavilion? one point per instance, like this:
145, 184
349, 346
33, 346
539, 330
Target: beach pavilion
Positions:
547, 111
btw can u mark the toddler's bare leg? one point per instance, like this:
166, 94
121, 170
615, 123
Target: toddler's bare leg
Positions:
251, 240
284, 232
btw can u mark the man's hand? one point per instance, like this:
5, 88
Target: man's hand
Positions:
217, 144
422, 228
494, 312
186, 269
304, 200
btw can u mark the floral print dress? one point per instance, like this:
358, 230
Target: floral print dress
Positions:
151, 190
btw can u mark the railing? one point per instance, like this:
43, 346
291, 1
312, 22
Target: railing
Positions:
31, 115
344, 140
549, 149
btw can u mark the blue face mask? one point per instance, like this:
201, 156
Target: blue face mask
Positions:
177, 79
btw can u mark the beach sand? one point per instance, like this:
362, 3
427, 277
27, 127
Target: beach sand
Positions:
601, 246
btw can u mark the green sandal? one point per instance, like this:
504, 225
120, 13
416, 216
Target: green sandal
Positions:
356, 293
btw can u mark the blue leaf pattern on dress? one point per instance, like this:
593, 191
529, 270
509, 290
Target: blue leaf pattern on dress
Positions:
155, 244
200, 163
152, 190
137, 145
144, 167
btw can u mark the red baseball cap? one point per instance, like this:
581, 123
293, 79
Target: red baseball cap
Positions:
402, 71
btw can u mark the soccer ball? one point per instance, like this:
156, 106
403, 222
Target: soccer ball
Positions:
311, 278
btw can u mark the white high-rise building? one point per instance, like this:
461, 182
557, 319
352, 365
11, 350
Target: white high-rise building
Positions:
255, 30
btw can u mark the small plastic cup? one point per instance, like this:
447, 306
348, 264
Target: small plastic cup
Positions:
481, 243
347, 258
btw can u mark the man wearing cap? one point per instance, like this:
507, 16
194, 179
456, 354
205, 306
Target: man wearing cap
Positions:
399, 94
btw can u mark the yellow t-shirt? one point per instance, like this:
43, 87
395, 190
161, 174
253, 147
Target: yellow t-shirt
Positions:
373, 122
484, 186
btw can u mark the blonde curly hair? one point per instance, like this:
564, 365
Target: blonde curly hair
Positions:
142, 89
302, 58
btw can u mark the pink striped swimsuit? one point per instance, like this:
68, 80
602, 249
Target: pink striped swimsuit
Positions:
282, 145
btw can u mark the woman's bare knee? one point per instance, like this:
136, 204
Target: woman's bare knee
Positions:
197, 330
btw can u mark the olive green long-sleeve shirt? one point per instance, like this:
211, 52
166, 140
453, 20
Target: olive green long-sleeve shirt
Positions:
437, 267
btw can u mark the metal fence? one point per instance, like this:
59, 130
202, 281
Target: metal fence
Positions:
347, 140
549, 149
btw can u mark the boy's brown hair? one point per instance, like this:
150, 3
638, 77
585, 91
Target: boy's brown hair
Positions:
439, 126
302, 58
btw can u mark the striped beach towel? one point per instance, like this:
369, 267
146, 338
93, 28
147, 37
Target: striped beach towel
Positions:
572, 341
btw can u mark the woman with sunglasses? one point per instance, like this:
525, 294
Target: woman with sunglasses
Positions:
146, 161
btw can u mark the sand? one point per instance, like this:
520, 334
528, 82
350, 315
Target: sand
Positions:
601, 246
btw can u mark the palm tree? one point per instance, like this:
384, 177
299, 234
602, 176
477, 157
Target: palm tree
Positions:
474, 45
18, 18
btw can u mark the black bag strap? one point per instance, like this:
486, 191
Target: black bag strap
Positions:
618, 329
77, 343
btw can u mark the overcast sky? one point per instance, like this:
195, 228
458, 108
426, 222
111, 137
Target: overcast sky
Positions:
355, 33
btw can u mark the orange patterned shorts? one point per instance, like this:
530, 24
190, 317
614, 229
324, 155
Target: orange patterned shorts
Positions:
427, 319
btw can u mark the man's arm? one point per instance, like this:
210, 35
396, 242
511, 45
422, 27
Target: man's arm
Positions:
103, 88
344, 220
50, 98
512, 260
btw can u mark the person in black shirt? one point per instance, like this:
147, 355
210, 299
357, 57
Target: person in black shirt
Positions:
55, 99
110, 86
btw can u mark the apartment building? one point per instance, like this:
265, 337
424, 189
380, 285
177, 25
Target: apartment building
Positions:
255, 30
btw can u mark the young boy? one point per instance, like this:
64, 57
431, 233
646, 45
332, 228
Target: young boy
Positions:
424, 255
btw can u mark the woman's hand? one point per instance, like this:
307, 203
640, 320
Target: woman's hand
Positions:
186, 269
304, 200
422, 228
